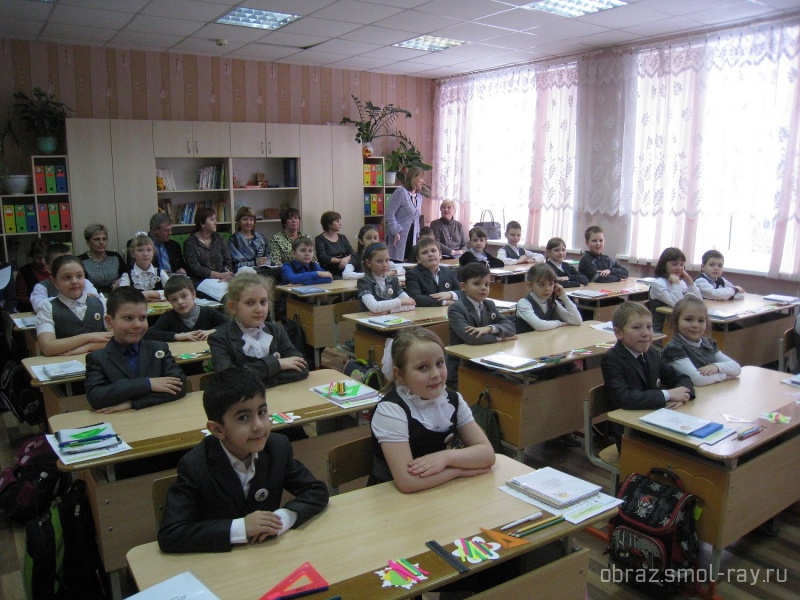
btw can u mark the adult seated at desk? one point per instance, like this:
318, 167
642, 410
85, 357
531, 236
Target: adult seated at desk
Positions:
229, 487
103, 267
333, 248
72, 322
280, 244
131, 372
448, 231
205, 251
634, 375
429, 283
46, 289
248, 248
417, 427
187, 321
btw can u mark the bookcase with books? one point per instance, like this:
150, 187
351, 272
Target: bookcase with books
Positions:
42, 212
266, 185
376, 193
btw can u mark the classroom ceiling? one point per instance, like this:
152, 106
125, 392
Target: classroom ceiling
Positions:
358, 34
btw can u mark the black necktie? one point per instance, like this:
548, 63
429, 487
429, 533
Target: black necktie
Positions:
643, 363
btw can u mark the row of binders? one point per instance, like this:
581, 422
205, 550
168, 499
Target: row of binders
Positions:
186, 212
373, 204
50, 179
29, 218
373, 175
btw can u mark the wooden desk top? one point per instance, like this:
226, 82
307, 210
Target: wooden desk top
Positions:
509, 270
356, 534
424, 315
721, 311
757, 391
177, 425
617, 288
540, 343
338, 286
177, 348
23, 315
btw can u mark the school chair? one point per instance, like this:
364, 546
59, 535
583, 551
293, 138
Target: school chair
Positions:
595, 406
159, 495
786, 344
349, 461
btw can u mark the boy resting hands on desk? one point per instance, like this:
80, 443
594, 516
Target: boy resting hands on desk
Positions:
186, 322
131, 372
229, 486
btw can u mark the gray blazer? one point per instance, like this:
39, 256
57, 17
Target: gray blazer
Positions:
110, 381
400, 215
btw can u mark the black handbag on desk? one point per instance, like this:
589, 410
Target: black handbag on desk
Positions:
491, 227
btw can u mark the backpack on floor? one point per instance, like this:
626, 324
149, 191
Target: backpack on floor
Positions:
28, 487
653, 536
17, 395
62, 561
367, 373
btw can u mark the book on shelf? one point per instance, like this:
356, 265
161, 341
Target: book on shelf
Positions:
64, 216
553, 487
290, 172
55, 221
64, 370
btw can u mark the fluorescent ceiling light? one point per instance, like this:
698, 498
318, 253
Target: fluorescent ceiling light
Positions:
429, 43
574, 8
259, 19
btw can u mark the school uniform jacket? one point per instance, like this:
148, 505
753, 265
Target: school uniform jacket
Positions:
491, 261
227, 350
207, 495
592, 264
420, 284
576, 278
627, 385
170, 323
462, 314
110, 380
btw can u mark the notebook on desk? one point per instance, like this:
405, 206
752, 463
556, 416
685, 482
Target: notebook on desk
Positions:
553, 487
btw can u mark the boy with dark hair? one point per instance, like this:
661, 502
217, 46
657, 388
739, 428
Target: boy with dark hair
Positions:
473, 318
131, 372
429, 283
229, 487
596, 265
302, 269
46, 289
186, 322
711, 283
477, 251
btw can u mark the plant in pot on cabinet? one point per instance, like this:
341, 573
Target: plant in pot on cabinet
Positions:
374, 123
43, 116
12, 184
400, 159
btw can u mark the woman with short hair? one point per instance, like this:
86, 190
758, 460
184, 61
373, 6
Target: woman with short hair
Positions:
103, 267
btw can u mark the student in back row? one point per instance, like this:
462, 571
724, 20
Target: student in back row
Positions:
429, 283
514, 254
379, 292
354, 269
672, 283
302, 269
187, 321
711, 283
229, 487
477, 251
474, 318
46, 289
131, 372
595, 265
547, 306
566, 275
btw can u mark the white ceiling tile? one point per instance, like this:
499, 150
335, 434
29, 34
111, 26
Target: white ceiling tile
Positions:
568, 29
360, 63
438, 59
207, 47
465, 10
292, 7
261, 52
128, 6
520, 19
399, 3
77, 15
185, 9
148, 24
664, 27
395, 53
345, 47
782, 4
685, 7
615, 37
515, 41
473, 51
376, 35
416, 22
18, 28
490, 62
145, 41
321, 27
24, 9
232, 33
54, 31
470, 32
732, 13
633, 15
312, 58
353, 11
558, 48
297, 40
439, 72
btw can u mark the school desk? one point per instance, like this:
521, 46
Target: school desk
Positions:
746, 329
320, 314
601, 308
356, 535
508, 282
530, 410
123, 509
741, 483
60, 399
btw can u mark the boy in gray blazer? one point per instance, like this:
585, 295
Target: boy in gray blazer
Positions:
131, 372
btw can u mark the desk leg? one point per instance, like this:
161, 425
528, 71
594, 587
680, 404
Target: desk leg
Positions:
115, 577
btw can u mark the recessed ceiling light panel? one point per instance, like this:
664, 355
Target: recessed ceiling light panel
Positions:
429, 43
259, 19
574, 8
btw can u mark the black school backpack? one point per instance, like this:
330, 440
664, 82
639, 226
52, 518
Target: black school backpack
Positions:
653, 537
364, 372
17, 395
62, 561
28, 487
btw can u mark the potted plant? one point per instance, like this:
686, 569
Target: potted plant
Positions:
43, 116
401, 159
374, 122
13, 184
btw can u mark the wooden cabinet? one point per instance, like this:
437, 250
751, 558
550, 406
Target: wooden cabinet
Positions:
134, 176
191, 139
260, 140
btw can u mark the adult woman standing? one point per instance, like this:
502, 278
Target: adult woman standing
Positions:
248, 248
448, 231
280, 244
333, 248
402, 216
205, 251
103, 267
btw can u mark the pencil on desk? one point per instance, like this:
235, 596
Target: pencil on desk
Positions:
533, 528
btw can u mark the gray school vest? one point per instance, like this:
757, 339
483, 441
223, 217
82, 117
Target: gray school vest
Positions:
68, 325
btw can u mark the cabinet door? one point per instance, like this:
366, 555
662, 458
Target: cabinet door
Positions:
283, 139
173, 138
248, 140
316, 168
134, 176
211, 139
91, 179
348, 180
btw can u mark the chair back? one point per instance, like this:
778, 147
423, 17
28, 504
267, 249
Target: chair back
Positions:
349, 461
595, 406
786, 344
159, 495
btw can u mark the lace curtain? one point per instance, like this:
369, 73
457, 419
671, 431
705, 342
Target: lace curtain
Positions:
505, 141
696, 145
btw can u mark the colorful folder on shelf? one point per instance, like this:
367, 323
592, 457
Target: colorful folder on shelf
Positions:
55, 222
38, 177
64, 216
19, 213
61, 179
44, 218
30, 217
50, 178
8, 219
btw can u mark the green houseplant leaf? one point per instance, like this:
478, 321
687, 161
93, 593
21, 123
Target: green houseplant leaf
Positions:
41, 114
375, 121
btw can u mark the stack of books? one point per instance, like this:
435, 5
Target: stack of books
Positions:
347, 393
553, 487
64, 370
87, 439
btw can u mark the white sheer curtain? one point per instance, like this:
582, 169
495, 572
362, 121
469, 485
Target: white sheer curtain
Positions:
696, 145
505, 141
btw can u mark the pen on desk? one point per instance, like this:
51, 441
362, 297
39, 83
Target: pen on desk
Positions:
534, 528
535, 515
749, 432
90, 440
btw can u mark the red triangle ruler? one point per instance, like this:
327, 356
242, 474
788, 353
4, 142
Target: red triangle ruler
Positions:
506, 541
305, 579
